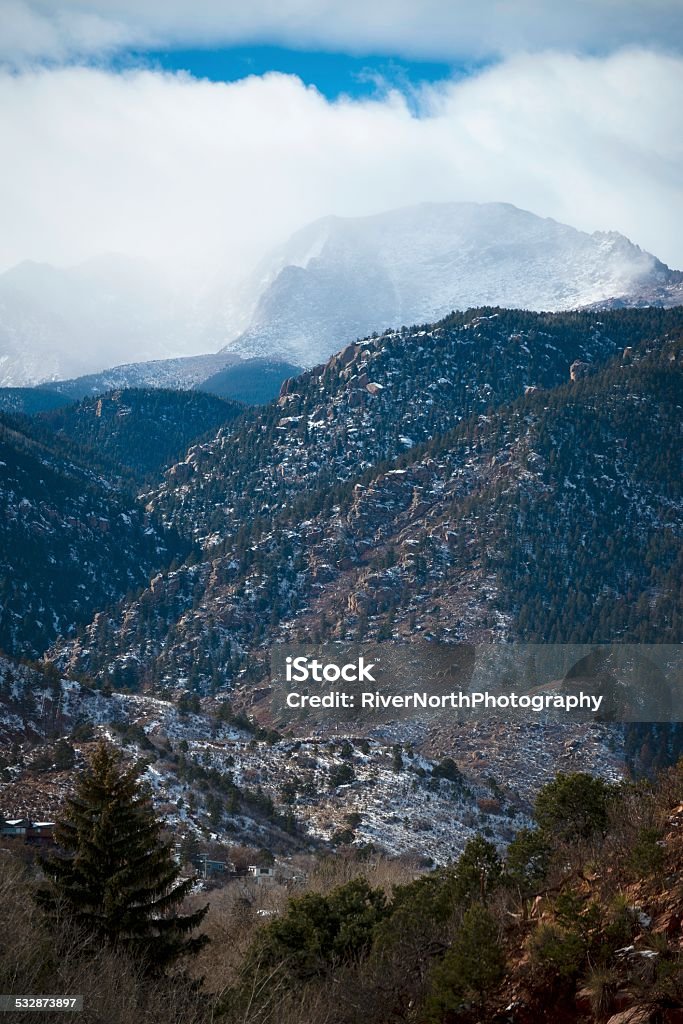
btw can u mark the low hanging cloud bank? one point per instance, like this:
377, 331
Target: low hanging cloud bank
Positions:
203, 177
444, 29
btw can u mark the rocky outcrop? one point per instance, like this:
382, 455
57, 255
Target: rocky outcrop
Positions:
578, 370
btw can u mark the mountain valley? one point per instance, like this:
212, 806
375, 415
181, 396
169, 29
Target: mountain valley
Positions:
468, 480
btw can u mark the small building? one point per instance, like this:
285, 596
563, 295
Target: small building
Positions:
41, 833
208, 868
15, 827
37, 833
261, 875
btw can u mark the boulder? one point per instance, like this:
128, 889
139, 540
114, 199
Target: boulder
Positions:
636, 1015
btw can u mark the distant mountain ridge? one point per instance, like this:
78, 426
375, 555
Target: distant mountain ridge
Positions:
182, 374
341, 278
333, 281
253, 381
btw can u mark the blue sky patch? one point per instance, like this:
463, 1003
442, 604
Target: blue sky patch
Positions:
333, 74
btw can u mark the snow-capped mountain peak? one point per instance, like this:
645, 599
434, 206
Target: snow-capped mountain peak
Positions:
340, 278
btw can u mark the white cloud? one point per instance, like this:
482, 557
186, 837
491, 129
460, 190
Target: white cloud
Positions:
422, 28
199, 175
59, 32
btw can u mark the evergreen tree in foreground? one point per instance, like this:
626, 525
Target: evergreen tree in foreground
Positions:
115, 875
473, 966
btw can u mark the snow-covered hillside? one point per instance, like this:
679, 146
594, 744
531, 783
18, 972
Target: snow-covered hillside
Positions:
409, 805
181, 374
339, 279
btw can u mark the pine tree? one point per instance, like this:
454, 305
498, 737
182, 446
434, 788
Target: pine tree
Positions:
115, 874
478, 872
472, 967
573, 806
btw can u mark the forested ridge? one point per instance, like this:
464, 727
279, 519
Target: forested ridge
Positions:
555, 517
